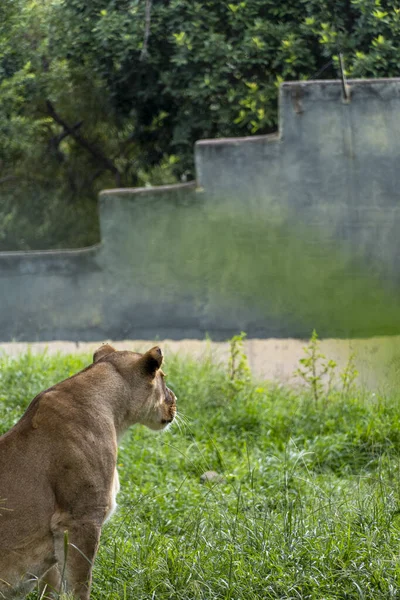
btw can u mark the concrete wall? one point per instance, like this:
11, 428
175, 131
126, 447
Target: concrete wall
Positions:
280, 234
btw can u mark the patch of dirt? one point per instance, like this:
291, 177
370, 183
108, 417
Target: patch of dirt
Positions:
376, 359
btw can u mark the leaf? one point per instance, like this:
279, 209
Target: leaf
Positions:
379, 14
378, 41
259, 43
252, 85
180, 38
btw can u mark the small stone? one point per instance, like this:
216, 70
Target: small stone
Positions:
211, 477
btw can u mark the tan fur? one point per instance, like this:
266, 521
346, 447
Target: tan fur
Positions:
58, 468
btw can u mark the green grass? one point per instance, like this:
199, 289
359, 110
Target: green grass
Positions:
309, 507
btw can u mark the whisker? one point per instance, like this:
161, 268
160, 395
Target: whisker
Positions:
178, 423
183, 417
182, 423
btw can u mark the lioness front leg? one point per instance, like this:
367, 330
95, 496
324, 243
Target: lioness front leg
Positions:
75, 560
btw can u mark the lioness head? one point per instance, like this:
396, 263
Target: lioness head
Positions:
152, 403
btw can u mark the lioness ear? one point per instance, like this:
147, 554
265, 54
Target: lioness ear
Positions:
103, 351
151, 361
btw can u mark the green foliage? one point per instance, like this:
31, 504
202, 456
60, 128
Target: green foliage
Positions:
349, 376
238, 365
315, 367
366, 31
93, 95
319, 373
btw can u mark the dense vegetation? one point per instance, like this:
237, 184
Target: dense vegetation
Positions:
101, 93
308, 507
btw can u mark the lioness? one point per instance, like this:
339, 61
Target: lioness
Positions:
58, 469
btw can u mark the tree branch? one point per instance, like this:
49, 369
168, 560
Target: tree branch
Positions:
91, 148
144, 51
59, 138
56, 140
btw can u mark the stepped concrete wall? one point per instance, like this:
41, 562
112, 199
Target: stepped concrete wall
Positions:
278, 235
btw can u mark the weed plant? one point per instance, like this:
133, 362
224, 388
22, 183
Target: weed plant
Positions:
309, 504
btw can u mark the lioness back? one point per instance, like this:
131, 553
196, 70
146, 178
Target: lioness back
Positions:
58, 468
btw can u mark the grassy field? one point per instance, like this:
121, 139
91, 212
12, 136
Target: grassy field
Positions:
309, 504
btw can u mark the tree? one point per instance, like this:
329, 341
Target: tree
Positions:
105, 93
